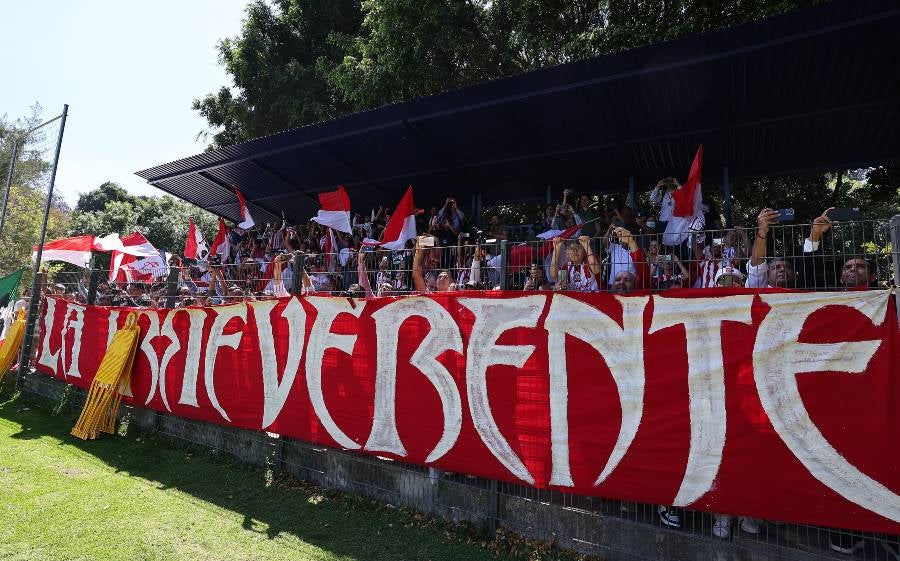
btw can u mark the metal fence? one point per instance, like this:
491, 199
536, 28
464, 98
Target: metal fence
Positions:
849, 255
608, 528
30, 180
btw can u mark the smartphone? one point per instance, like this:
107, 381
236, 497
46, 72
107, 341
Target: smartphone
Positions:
426, 241
785, 215
665, 257
718, 241
844, 214
562, 276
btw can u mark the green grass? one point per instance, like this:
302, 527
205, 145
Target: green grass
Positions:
140, 497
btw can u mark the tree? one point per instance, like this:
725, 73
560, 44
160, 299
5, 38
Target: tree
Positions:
99, 198
27, 198
274, 65
162, 220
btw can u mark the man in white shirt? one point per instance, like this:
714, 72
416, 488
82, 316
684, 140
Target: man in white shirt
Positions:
760, 272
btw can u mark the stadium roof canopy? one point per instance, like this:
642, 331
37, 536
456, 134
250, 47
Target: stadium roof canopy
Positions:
817, 89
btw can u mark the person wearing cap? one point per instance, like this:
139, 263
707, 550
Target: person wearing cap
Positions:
729, 276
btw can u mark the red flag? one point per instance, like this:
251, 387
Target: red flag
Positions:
525, 254
220, 244
402, 226
76, 251
689, 198
246, 219
195, 245
335, 211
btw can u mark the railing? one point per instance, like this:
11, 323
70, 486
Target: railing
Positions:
863, 247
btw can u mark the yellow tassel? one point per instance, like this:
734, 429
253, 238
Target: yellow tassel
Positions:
105, 393
9, 348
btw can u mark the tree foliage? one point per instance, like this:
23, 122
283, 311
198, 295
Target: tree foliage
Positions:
274, 67
162, 220
27, 197
297, 62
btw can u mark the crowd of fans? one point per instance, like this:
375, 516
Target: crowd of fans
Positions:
616, 249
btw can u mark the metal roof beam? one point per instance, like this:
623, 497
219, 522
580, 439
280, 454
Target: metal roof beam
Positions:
446, 161
204, 175
274, 174
353, 169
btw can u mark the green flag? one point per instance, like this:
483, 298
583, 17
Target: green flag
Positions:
8, 286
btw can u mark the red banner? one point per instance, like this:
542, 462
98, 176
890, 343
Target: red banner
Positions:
779, 405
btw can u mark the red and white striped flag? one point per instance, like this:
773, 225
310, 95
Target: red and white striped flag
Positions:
402, 226
76, 250
335, 212
246, 220
195, 246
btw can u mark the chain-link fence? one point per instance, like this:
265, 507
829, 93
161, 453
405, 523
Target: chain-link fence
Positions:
848, 255
30, 210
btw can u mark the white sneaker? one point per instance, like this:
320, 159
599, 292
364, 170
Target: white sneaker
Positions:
750, 525
668, 516
722, 526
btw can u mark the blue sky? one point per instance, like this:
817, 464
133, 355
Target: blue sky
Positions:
128, 70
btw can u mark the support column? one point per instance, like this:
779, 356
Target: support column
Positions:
631, 195
726, 191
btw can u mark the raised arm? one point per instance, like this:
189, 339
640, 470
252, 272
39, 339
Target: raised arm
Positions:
363, 273
554, 262
418, 277
592, 260
763, 221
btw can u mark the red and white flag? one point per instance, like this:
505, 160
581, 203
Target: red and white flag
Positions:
402, 226
148, 269
133, 247
76, 251
220, 245
246, 220
195, 246
689, 198
687, 214
335, 212
527, 254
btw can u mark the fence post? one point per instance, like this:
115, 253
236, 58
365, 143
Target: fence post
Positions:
726, 192
895, 256
172, 286
504, 262
93, 281
493, 507
9, 176
299, 264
